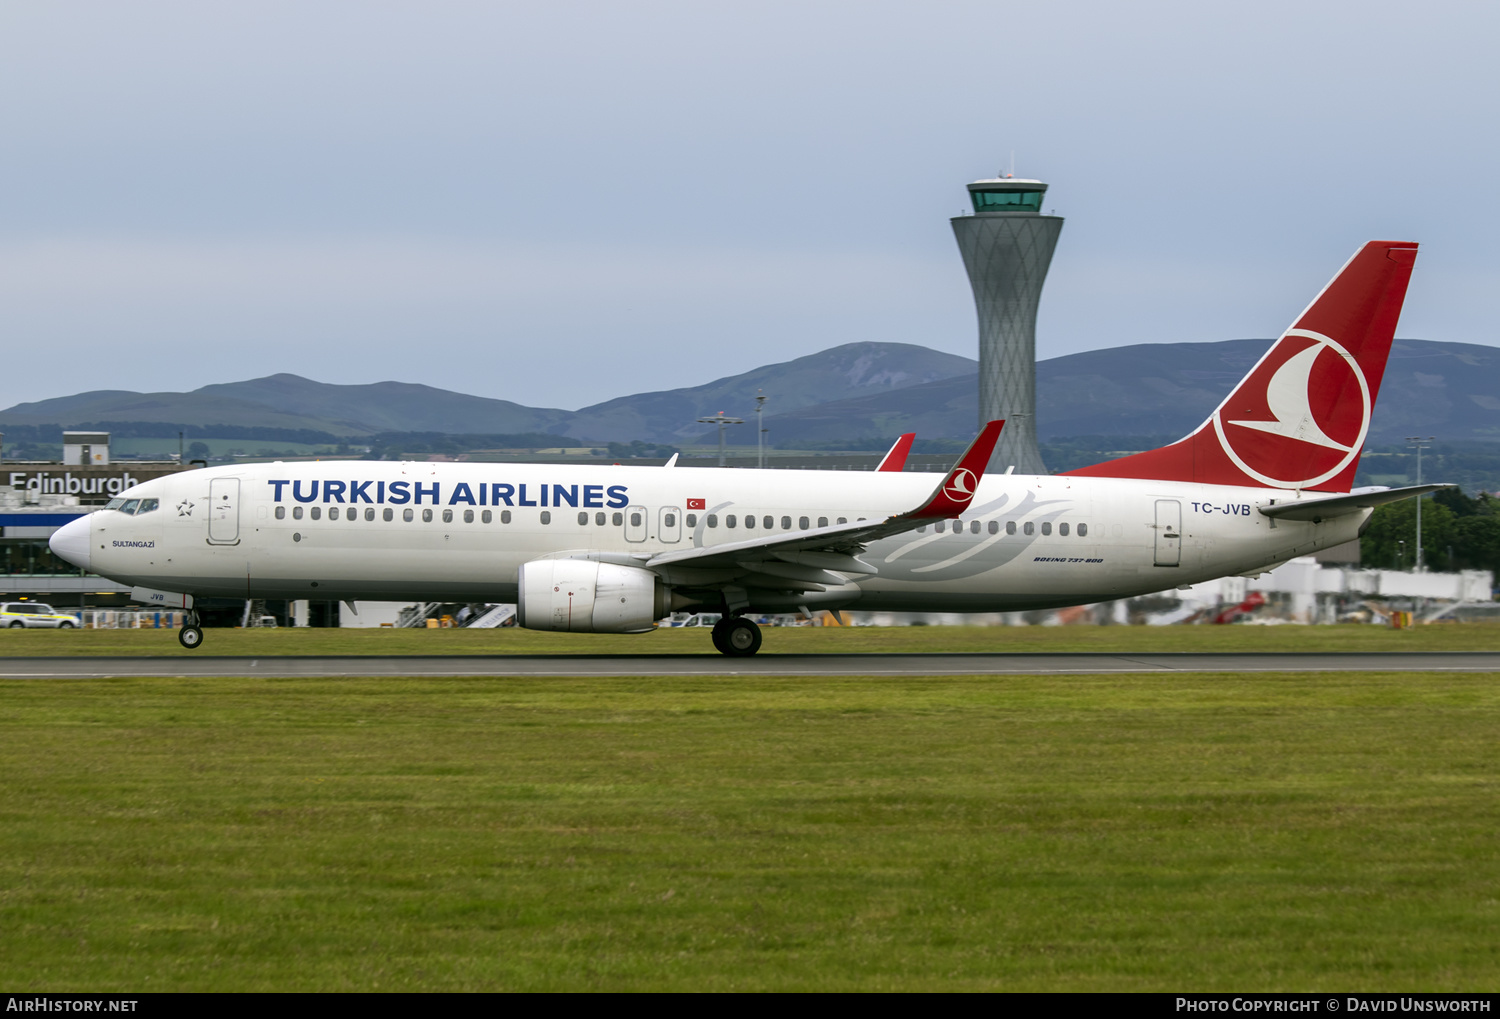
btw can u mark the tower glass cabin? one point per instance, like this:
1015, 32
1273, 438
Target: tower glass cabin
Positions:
1007, 247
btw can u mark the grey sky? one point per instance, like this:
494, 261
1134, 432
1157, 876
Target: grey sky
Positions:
560, 203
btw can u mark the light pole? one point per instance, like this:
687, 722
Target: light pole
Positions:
760, 432
723, 422
1419, 444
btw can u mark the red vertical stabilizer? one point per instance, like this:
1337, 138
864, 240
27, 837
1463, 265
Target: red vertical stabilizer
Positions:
1299, 419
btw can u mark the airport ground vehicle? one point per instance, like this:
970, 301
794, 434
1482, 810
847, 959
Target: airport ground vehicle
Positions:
613, 549
29, 614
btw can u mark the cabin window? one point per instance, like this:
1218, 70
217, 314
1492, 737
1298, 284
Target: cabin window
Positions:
485, 517
296, 512
387, 514
692, 520
280, 512
749, 521
447, 516
712, 520
803, 523
822, 521
973, 527
635, 520
1010, 527
843, 520
505, 516
770, 522
333, 513
315, 512
468, 516
940, 527
1046, 527
618, 519
583, 520
599, 519
1028, 528
994, 527
670, 520
427, 516
546, 516
1062, 529
922, 529
786, 523
1083, 530
408, 515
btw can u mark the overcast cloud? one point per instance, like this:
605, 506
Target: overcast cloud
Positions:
561, 203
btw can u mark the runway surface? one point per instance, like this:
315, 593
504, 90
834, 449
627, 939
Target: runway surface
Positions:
318, 666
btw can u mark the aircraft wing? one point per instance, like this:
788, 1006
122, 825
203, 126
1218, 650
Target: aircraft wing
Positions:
802, 559
1339, 505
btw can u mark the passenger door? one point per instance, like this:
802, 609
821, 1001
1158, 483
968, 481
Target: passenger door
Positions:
224, 511
1168, 532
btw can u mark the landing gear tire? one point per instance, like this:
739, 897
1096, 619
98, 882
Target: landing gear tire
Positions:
717, 635
741, 638
190, 637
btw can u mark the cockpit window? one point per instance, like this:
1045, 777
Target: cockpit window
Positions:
147, 505
114, 504
130, 505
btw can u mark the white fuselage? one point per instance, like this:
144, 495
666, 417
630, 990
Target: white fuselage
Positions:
461, 531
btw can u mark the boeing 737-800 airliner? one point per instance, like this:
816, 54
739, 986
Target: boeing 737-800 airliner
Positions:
612, 549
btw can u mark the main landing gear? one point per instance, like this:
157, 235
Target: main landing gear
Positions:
736, 636
191, 634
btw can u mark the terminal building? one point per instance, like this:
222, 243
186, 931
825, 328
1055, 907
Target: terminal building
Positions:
1007, 247
36, 498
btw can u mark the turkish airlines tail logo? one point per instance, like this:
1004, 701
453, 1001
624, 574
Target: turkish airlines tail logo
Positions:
1300, 418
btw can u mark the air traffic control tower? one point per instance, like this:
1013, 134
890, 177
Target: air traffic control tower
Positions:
1007, 246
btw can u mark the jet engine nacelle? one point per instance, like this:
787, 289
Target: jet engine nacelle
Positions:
583, 596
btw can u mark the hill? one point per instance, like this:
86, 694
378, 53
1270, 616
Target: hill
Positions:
290, 401
854, 394
1451, 390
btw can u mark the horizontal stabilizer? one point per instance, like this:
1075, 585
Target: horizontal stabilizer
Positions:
1339, 505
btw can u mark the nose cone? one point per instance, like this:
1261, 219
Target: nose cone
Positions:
71, 542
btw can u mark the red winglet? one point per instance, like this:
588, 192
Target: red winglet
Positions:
957, 490
895, 460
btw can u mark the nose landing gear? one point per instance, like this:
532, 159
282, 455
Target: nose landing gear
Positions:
736, 636
191, 634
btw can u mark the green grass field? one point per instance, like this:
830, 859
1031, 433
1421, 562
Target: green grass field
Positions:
1311, 832
786, 640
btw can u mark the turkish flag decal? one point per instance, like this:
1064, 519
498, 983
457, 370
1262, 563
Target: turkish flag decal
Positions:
697, 504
